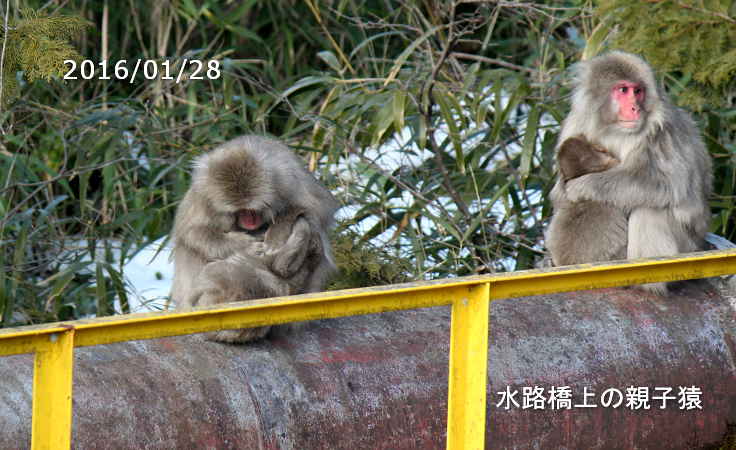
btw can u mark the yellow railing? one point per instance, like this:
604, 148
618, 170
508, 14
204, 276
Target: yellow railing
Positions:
53, 344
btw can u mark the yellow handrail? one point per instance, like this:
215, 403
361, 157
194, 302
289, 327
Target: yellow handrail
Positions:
53, 344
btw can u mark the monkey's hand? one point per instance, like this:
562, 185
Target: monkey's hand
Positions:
289, 258
243, 243
582, 188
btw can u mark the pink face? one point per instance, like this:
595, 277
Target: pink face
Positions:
629, 97
249, 220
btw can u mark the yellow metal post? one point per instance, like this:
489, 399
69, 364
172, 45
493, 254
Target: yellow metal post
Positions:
52, 392
466, 404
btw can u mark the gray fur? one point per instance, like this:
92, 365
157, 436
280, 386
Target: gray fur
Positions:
215, 262
655, 202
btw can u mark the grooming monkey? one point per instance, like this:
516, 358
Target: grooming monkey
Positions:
253, 224
654, 202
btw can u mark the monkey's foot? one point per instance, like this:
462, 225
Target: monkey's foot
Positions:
655, 288
240, 336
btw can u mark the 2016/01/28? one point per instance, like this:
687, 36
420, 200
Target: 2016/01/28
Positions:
150, 70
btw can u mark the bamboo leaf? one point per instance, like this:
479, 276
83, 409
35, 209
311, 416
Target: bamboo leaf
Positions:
401, 59
399, 104
384, 119
594, 44
61, 283
371, 39
101, 291
330, 59
304, 82
119, 286
482, 214
448, 115
529, 145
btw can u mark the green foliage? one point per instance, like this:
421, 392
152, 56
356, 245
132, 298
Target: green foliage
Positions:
433, 122
444, 159
695, 41
362, 264
93, 169
38, 45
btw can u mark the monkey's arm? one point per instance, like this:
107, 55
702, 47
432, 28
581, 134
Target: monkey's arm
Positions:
641, 184
288, 258
205, 231
214, 244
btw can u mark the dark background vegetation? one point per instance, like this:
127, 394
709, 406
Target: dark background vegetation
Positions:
92, 170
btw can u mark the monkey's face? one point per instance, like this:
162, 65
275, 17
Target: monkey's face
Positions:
627, 101
250, 221
239, 186
620, 93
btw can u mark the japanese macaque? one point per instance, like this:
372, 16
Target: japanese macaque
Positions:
253, 224
654, 201
576, 156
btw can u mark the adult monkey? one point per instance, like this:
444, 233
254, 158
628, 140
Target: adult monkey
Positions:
654, 202
253, 224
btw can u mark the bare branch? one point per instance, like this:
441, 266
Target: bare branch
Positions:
497, 62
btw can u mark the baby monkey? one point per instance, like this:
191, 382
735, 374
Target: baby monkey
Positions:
577, 156
604, 236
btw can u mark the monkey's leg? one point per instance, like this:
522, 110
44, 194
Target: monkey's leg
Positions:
239, 336
237, 279
585, 232
188, 267
651, 234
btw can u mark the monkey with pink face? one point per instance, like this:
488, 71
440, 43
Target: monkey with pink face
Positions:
652, 199
253, 224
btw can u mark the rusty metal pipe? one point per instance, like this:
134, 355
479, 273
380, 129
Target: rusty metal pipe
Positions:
380, 381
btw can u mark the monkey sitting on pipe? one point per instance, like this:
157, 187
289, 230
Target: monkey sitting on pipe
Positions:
654, 201
253, 224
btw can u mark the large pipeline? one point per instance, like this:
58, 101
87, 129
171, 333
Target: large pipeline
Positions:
380, 381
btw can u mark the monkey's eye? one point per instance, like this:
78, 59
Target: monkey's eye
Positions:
623, 89
638, 91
